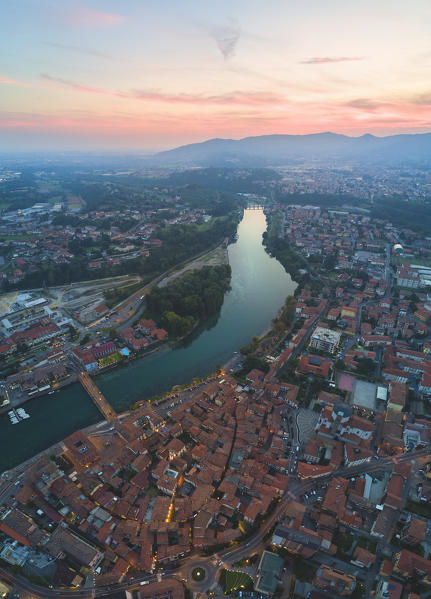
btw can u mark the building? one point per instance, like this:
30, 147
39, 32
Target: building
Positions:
269, 573
389, 589
63, 542
314, 365
334, 581
415, 532
408, 564
408, 277
325, 339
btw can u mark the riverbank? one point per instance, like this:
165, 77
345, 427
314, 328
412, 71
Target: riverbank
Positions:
213, 257
101, 426
259, 287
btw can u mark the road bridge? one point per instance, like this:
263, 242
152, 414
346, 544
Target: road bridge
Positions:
96, 395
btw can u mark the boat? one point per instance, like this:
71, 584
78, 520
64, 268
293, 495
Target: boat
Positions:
22, 413
13, 417
18, 415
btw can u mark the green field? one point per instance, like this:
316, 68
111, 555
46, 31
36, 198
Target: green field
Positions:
418, 261
108, 360
237, 580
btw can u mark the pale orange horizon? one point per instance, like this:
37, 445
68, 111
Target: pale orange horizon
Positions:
107, 75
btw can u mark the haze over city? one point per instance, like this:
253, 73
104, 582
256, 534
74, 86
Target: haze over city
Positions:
151, 76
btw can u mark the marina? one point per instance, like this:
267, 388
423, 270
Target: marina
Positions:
259, 286
16, 416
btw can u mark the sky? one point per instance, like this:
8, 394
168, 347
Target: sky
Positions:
145, 75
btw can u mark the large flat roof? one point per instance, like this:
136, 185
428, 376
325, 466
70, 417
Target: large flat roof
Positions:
269, 572
364, 395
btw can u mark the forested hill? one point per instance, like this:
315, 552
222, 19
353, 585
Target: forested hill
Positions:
182, 304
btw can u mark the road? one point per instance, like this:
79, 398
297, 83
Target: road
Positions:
124, 313
227, 557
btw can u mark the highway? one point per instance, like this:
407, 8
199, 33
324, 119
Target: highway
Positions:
228, 556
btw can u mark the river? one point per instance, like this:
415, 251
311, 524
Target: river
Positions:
259, 287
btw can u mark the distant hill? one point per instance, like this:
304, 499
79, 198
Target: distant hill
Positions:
275, 150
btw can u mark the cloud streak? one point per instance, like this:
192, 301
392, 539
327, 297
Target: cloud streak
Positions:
80, 50
240, 98
76, 86
7, 81
331, 59
365, 104
83, 16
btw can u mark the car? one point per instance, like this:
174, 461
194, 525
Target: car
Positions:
144, 582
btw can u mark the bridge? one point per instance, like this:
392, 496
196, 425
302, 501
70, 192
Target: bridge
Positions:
96, 395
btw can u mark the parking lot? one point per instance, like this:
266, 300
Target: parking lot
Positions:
306, 421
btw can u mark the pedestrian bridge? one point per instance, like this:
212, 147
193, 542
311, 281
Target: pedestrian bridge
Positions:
96, 395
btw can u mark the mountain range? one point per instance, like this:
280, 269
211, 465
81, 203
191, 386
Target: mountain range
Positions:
267, 150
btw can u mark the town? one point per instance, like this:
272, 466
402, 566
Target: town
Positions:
305, 475
75, 280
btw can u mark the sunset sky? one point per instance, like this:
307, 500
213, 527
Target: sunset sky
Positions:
149, 75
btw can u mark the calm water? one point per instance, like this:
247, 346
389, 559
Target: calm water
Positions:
259, 286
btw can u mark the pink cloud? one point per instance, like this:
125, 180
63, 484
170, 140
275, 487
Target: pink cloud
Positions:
365, 104
83, 16
76, 86
331, 59
7, 81
155, 126
232, 98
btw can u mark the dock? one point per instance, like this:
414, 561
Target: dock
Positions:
96, 395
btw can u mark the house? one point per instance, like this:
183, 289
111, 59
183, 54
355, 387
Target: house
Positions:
415, 532
313, 364
312, 451
363, 558
389, 589
334, 581
81, 449
354, 455
408, 564
65, 542
312, 470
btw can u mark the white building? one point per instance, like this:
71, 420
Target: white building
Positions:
325, 339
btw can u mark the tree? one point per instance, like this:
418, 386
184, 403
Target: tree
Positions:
366, 366
251, 362
343, 541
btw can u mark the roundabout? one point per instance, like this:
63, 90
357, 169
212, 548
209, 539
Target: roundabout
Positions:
198, 574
